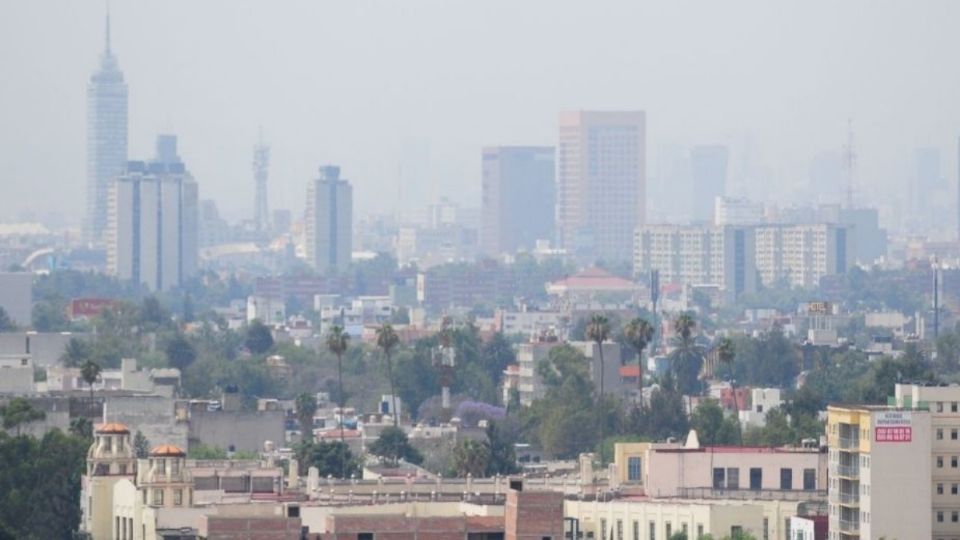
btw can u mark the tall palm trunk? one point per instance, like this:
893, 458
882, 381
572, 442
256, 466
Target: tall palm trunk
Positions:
340, 400
393, 393
640, 374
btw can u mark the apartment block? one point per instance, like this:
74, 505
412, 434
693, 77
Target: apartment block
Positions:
881, 472
698, 255
802, 254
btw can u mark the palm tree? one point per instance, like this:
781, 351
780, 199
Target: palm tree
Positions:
639, 334
337, 342
687, 358
90, 371
387, 339
726, 354
306, 407
598, 330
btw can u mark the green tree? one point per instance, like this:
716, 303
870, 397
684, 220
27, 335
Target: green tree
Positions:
638, 334
19, 412
713, 428
141, 446
337, 343
726, 355
387, 340
306, 405
258, 339
180, 352
495, 355
598, 331
471, 457
666, 416
76, 353
503, 456
332, 458
6, 323
393, 446
90, 372
686, 360
81, 427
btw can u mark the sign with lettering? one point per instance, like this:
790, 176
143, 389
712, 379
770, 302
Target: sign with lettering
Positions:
894, 434
893, 426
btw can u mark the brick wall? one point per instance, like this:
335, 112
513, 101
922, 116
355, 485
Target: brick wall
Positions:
533, 515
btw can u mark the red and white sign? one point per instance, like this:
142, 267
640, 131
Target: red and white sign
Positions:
894, 434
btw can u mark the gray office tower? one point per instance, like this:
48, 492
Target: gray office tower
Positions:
519, 198
708, 166
152, 235
106, 139
329, 221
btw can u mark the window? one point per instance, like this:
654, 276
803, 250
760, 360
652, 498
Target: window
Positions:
939, 406
809, 479
109, 445
733, 478
699, 530
603, 529
669, 532
736, 530
954, 516
953, 406
177, 497
653, 531
756, 478
940, 517
766, 529
718, 478
619, 529
120, 444
953, 489
144, 496
786, 478
175, 467
123, 468
940, 489
939, 462
953, 461
939, 434
364, 536
636, 530
953, 434
633, 469
158, 497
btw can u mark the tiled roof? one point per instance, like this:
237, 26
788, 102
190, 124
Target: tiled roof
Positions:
167, 450
112, 427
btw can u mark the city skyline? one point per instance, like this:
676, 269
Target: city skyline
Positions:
435, 157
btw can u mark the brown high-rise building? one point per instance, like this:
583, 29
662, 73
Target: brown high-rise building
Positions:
601, 183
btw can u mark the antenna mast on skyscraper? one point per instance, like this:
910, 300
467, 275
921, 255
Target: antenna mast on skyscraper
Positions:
849, 162
261, 163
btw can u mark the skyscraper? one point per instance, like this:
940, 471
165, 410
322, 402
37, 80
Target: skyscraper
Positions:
106, 139
601, 183
518, 197
329, 221
708, 165
261, 163
152, 237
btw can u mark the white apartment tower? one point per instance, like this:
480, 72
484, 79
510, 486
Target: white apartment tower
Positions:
329, 221
106, 139
152, 236
601, 182
802, 254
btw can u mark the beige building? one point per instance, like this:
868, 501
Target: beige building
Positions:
943, 402
802, 254
110, 460
601, 182
880, 472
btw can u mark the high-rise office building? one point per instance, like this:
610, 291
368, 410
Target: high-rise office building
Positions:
329, 221
261, 164
601, 182
106, 139
708, 166
152, 235
518, 198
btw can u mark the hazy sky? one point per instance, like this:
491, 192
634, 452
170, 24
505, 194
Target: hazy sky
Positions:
403, 93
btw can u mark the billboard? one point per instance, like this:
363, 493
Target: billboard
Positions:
893, 426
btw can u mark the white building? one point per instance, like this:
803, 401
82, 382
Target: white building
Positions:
802, 254
737, 211
152, 237
329, 221
270, 311
16, 296
698, 255
762, 401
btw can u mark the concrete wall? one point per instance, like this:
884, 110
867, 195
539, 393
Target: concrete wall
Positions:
151, 415
45, 348
241, 430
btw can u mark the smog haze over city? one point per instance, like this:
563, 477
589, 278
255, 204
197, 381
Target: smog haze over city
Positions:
479, 270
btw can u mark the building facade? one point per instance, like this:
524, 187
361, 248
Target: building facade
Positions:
601, 182
106, 139
802, 254
737, 211
708, 166
699, 255
880, 473
153, 236
329, 222
518, 199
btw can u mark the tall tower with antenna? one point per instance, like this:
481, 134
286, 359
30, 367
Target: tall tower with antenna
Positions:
849, 162
261, 165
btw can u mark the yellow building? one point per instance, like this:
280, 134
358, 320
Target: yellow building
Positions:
880, 472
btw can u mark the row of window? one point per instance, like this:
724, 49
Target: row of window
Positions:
158, 497
954, 516
939, 406
729, 478
954, 462
617, 533
954, 489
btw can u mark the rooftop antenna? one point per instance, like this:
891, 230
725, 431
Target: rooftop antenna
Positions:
849, 162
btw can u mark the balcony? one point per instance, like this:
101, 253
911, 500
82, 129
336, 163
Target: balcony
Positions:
850, 525
752, 494
849, 499
849, 471
849, 443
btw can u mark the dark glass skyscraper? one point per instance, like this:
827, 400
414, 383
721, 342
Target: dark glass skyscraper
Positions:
106, 139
